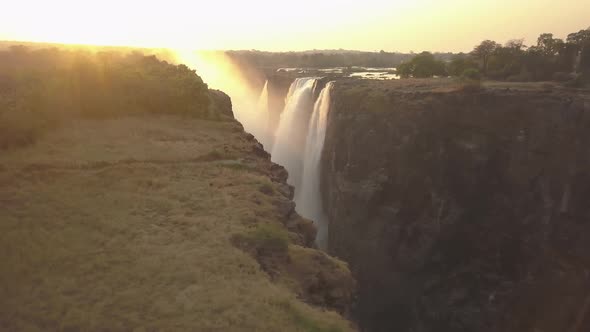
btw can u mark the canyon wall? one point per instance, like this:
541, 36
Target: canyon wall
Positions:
461, 209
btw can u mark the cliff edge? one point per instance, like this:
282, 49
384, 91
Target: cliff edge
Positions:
159, 222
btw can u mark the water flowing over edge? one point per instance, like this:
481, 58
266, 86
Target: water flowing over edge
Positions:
289, 139
298, 145
309, 200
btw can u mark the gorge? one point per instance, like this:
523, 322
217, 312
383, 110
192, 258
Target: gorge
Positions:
308, 201
320, 166
457, 209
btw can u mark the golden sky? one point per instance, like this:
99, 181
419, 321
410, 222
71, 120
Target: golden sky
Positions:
274, 25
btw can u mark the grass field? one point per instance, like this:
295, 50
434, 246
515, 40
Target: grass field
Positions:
126, 225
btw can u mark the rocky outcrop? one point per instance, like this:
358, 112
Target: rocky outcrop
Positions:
285, 250
220, 105
461, 211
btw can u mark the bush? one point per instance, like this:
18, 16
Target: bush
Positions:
471, 74
267, 189
267, 238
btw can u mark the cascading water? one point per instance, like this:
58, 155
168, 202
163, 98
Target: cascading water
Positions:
289, 140
298, 146
308, 199
298, 141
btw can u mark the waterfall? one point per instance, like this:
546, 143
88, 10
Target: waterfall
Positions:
309, 200
298, 146
289, 140
266, 138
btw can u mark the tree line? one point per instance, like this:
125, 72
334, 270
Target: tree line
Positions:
323, 59
549, 59
39, 88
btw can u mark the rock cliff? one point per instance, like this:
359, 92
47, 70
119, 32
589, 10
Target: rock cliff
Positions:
461, 209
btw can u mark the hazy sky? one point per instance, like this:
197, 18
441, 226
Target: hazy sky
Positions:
392, 25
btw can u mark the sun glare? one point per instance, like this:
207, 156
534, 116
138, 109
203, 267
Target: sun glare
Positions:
220, 72
270, 25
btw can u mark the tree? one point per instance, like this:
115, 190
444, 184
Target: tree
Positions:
579, 43
483, 51
405, 69
506, 60
579, 38
548, 45
516, 45
460, 63
421, 66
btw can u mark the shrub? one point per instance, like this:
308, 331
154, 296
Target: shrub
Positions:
268, 238
471, 74
267, 189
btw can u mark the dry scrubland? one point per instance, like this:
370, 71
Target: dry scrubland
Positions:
136, 223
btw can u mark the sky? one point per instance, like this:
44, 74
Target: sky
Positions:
273, 25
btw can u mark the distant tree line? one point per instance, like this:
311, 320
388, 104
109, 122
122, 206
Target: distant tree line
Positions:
550, 59
324, 59
40, 87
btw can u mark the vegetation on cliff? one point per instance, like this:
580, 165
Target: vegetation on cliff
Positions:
39, 88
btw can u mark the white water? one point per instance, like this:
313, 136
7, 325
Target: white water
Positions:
309, 200
289, 140
298, 146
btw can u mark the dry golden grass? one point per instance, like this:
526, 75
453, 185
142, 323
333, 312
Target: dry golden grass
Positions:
118, 225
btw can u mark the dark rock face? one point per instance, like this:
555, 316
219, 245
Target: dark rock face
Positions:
462, 211
318, 86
